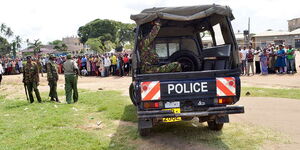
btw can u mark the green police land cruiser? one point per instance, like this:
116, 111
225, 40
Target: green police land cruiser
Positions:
185, 65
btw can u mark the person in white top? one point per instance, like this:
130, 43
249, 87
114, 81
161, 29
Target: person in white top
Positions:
244, 60
1, 72
256, 59
20, 64
107, 64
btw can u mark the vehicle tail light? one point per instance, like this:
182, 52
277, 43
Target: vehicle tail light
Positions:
226, 100
152, 105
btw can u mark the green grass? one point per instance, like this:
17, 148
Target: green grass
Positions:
61, 126
269, 92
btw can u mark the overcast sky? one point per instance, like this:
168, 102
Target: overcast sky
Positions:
49, 20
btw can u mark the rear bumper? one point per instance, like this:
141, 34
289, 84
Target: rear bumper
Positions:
209, 112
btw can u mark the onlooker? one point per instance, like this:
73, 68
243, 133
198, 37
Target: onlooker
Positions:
256, 58
243, 59
264, 62
290, 60
1, 72
113, 64
126, 64
107, 64
250, 58
280, 61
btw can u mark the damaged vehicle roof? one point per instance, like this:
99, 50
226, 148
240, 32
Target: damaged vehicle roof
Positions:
186, 13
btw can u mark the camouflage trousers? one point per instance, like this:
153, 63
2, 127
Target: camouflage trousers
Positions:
171, 67
32, 86
53, 91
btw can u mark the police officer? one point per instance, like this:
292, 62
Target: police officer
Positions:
149, 56
71, 72
52, 77
31, 79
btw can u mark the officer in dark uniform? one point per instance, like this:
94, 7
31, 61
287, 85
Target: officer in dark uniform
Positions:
31, 79
52, 77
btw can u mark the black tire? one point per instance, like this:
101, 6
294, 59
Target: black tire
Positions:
212, 125
132, 94
188, 60
145, 132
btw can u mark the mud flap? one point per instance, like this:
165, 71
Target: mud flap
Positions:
145, 123
222, 119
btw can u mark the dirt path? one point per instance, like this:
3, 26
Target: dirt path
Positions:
279, 114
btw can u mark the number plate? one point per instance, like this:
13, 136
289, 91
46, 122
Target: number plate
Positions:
173, 119
172, 104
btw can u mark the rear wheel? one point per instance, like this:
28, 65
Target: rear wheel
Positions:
212, 125
144, 132
132, 94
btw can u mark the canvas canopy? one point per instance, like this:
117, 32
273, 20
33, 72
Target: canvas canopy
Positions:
187, 13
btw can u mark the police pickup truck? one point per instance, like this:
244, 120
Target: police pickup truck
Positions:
201, 40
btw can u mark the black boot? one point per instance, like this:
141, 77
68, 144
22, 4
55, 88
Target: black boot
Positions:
57, 100
52, 99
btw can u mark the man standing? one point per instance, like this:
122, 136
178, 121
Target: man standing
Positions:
71, 71
31, 79
244, 60
52, 77
113, 64
290, 60
1, 72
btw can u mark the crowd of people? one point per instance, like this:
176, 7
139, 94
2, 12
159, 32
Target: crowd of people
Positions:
270, 60
89, 65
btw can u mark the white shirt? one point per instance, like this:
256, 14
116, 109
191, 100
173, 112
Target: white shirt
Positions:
244, 54
107, 62
20, 63
1, 69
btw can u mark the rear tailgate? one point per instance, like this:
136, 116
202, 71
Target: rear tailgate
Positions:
189, 89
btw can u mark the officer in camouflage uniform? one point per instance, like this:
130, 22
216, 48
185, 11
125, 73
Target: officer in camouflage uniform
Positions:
71, 72
149, 57
31, 79
52, 77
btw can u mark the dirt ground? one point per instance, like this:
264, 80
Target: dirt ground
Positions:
276, 113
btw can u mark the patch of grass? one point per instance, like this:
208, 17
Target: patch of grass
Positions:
269, 92
51, 125
61, 126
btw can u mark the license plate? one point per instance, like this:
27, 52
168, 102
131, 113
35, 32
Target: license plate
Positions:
172, 104
172, 119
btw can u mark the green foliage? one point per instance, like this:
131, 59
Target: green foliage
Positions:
36, 45
110, 33
59, 45
5, 47
271, 92
95, 44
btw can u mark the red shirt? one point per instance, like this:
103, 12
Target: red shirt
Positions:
126, 60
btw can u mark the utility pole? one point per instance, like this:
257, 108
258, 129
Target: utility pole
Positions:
248, 31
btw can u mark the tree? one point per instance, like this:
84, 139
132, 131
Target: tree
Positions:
36, 45
125, 34
5, 47
3, 28
15, 45
8, 32
111, 34
95, 44
59, 45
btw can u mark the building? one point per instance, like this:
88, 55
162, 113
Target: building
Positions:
263, 39
240, 39
74, 44
294, 24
